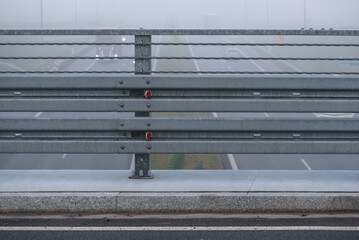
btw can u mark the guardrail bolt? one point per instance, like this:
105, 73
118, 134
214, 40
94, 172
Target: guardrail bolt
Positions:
122, 147
148, 136
148, 81
122, 124
148, 105
149, 147
121, 82
148, 94
122, 105
148, 124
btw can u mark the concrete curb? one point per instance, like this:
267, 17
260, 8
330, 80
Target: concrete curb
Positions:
177, 202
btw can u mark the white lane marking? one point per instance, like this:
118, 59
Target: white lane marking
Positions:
132, 166
38, 114
306, 164
266, 114
252, 61
186, 228
334, 115
273, 55
192, 55
64, 155
157, 54
245, 55
231, 160
90, 66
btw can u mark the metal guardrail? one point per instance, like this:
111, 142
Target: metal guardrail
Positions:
176, 94
143, 94
178, 135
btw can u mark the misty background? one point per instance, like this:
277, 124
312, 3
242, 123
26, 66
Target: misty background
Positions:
336, 14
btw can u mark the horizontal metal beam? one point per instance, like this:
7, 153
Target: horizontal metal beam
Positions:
180, 93
301, 32
189, 146
179, 105
112, 82
180, 124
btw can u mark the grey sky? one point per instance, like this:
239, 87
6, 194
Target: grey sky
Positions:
185, 13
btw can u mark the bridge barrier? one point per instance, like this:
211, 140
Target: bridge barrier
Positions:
212, 91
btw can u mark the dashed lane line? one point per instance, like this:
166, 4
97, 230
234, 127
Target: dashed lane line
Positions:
157, 54
192, 54
252, 61
306, 164
232, 162
90, 66
38, 114
132, 166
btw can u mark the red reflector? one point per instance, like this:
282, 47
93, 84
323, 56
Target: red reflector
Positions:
148, 94
148, 136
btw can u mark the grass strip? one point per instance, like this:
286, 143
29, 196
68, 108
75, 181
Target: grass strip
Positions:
176, 161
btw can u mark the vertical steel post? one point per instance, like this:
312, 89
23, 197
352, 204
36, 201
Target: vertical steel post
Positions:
142, 67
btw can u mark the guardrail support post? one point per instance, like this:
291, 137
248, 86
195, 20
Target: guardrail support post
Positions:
142, 67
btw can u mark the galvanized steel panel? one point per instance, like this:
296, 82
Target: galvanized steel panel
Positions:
179, 124
179, 105
241, 82
186, 146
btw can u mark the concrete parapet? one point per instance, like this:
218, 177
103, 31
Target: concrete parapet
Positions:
179, 202
221, 191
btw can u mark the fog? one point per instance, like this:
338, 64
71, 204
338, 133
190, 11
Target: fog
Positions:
336, 14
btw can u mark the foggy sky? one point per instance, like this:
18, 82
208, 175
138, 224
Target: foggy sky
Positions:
337, 14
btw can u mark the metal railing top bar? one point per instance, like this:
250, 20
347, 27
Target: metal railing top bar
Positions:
103, 81
180, 72
183, 44
302, 32
188, 58
180, 124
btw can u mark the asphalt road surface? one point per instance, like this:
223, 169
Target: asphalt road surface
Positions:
199, 226
268, 161
75, 161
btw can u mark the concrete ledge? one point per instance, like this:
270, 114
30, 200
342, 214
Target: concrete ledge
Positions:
156, 202
94, 192
179, 181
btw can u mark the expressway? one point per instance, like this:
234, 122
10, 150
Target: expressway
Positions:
74, 161
267, 161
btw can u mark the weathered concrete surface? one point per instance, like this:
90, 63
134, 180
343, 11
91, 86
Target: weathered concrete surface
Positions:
179, 181
157, 202
96, 192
